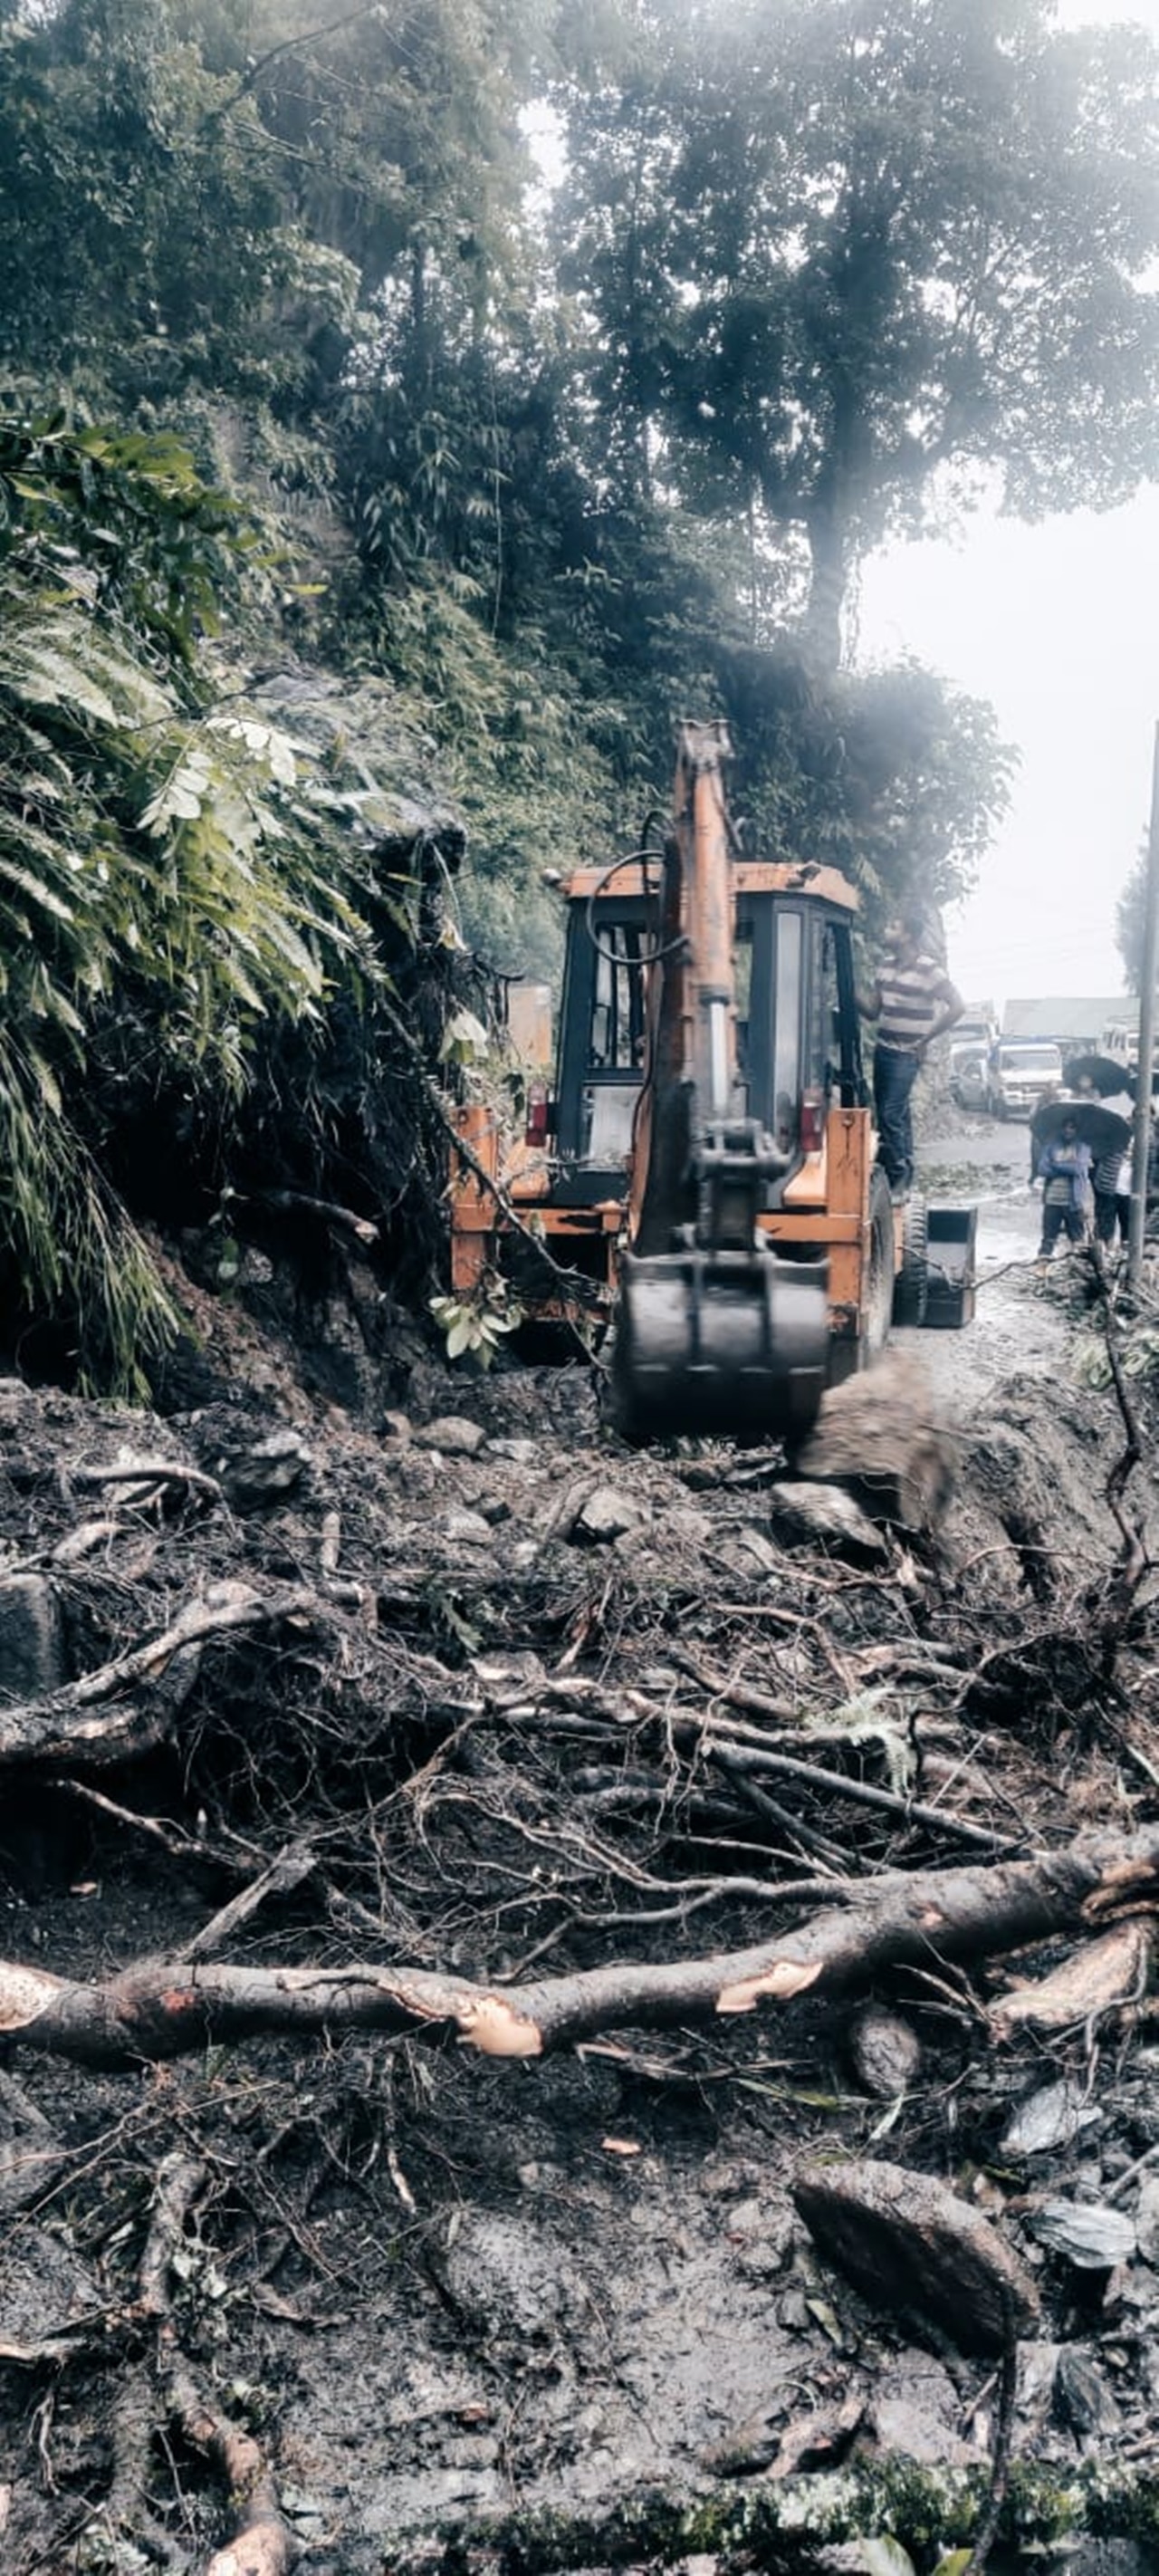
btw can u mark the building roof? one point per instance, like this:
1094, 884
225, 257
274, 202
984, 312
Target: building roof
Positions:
1069, 1018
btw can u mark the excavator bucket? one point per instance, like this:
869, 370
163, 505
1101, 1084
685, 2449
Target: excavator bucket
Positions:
725, 1344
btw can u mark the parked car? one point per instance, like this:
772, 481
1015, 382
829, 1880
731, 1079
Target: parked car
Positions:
970, 1079
1022, 1072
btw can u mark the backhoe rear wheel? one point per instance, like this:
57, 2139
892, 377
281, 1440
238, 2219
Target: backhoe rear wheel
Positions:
879, 1278
911, 1286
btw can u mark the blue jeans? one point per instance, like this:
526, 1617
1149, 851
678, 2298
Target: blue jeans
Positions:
895, 1072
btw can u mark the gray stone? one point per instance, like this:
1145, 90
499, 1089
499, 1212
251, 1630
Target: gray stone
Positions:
32, 1651
744, 1549
1051, 2117
911, 2247
452, 1433
1082, 2397
264, 1471
917, 2411
879, 1436
606, 1516
886, 2052
466, 1526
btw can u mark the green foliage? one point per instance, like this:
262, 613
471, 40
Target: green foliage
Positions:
814, 270
828, 254
171, 877
475, 1327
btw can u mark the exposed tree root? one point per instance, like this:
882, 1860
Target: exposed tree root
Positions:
101, 1720
160, 2009
168, 2390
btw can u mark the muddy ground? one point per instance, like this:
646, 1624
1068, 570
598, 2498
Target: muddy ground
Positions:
502, 1692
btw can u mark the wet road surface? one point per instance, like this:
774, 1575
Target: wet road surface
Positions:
1019, 1325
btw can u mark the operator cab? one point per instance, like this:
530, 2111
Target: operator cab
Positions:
797, 1033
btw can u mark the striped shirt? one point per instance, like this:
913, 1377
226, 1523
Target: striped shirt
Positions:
910, 998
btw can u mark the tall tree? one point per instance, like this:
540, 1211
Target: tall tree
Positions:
838, 261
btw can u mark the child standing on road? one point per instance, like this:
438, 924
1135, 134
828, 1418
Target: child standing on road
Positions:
1064, 1168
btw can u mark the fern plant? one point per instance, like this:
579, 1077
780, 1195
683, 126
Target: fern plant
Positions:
168, 867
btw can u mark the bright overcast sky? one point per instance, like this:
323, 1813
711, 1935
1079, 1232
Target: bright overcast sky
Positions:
1057, 626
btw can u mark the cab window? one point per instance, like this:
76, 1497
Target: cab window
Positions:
616, 1038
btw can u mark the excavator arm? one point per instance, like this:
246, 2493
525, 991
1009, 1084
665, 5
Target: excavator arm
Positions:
716, 1333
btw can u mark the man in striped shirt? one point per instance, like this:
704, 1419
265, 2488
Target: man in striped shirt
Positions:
913, 1001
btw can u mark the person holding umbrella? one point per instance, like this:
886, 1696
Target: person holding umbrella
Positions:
1099, 1078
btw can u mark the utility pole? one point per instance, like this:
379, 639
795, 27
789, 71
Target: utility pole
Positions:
1145, 1076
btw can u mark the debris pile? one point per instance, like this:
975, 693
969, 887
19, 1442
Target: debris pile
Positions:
801, 1845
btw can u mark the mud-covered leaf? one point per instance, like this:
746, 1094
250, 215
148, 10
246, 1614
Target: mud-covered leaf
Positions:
1089, 2234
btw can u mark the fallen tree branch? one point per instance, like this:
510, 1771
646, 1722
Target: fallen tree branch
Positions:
160, 2009
144, 1471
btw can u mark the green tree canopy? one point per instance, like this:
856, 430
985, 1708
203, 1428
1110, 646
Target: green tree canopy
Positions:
838, 260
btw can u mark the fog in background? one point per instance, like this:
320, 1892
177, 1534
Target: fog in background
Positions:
1057, 626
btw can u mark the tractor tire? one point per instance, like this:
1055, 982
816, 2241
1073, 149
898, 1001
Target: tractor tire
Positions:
879, 1279
911, 1285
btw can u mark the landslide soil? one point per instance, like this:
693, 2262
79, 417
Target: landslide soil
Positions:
438, 2287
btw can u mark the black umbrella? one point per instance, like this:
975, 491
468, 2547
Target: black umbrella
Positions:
1102, 1071
1100, 1128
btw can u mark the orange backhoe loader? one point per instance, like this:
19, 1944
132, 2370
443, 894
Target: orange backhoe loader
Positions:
706, 1167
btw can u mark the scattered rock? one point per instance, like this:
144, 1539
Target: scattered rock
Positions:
264, 1472
508, 2276
1052, 2117
452, 1433
886, 2052
1082, 2398
916, 2411
746, 1549
468, 1527
1147, 2218
878, 1436
606, 1516
909, 2245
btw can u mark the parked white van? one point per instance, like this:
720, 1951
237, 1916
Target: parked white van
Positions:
1022, 1071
